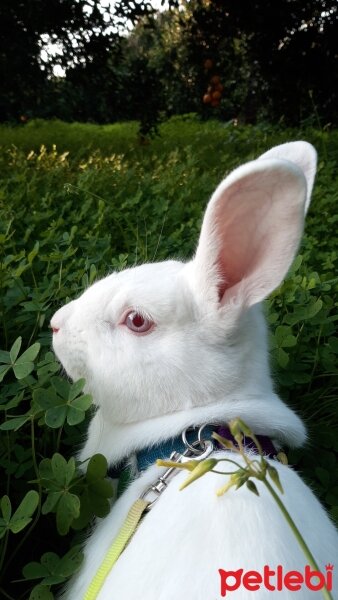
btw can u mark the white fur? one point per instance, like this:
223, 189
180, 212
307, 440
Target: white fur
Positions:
205, 360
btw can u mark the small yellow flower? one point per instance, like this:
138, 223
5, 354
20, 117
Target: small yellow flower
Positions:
202, 467
236, 479
189, 465
238, 427
226, 443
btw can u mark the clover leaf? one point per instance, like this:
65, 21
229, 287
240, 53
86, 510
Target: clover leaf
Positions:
96, 493
63, 402
22, 365
58, 477
22, 515
14, 423
74, 497
52, 570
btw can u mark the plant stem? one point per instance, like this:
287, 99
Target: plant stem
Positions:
37, 516
315, 362
35, 464
5, 595
58, 439
5, 540
222, 472
8, 458
233, 462
297, 534
3, 552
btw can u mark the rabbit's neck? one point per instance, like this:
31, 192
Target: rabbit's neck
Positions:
233, 382
265, 415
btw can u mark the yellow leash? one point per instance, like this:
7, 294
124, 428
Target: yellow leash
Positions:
125, 533
137, 510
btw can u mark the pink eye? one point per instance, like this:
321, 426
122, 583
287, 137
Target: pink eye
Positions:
137, 322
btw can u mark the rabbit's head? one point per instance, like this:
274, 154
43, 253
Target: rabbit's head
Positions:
164, 337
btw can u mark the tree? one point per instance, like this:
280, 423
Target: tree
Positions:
73, 24
277, 59
272, 59
297, 51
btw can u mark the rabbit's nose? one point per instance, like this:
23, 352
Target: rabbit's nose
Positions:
61, 316
55, 326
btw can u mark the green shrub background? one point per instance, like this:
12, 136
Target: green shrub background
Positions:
78, 201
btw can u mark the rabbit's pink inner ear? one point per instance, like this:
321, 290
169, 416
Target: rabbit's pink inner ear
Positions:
303, 155
251, 231
247, 227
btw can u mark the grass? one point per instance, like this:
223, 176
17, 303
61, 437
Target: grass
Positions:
77, 201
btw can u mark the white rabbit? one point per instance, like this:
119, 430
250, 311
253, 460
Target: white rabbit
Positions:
170, 345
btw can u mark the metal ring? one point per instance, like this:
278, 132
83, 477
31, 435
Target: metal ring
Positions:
200, 439
192, 446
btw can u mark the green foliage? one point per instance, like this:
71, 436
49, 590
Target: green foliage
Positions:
25, 29
273, 62
90, 495
22, 515
63, 402
22, 365
52, 570
78, 201
74, 493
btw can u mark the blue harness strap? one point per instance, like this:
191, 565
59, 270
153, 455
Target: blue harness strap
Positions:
148, 456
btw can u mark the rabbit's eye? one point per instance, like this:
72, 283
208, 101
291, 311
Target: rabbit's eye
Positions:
137, 322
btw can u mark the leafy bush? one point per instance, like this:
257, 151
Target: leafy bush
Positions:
96, 202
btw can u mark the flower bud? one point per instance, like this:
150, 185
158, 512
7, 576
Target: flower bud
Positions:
252, 487
237, 426
282, 458
236, 479
223, 441
275, 478
204, 466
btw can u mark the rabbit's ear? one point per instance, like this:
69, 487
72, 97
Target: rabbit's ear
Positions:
303, 155
250, 233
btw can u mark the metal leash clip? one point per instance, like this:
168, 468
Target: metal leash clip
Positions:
199, 449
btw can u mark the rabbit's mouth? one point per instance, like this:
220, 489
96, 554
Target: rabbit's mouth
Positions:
71, 352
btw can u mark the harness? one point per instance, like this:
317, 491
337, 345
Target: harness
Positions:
179, 449
144, 458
